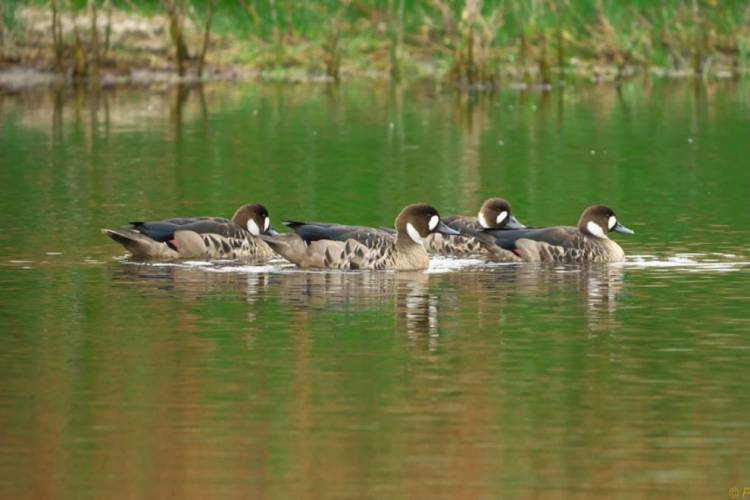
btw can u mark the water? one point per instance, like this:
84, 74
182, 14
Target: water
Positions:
210, 380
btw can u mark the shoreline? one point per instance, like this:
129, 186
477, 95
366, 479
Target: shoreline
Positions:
29, 77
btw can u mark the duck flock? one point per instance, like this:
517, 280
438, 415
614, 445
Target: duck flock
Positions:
494, 235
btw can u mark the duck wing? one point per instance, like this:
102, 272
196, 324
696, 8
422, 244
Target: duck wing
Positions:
164, 230
182, 221
556, 236
315, 231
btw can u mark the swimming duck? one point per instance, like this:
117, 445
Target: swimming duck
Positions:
495, 213
588, 242
200, 237
335, 246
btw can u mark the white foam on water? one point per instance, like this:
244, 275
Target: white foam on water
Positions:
222, 266
247, 269
447, 265
689, 262
195, 263
153, 264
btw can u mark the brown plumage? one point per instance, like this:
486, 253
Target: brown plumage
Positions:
495, 213
588, 242
335, 246
200, 237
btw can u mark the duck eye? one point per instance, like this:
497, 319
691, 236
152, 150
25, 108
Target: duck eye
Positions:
501, 217
434, 220
611, 222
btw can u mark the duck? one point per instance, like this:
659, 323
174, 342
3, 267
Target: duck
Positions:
200, 237
496, 214
587, 242
335, 246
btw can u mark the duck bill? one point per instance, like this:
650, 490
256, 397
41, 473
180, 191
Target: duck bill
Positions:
622, 229
445, 229
513, 223
272, 232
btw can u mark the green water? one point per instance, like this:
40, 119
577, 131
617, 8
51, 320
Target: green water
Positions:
467, 381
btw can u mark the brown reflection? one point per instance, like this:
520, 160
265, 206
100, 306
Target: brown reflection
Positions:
418, 299
598, 288
179, 99
416, 310
57, 117
193, 283
415, 307
103, 108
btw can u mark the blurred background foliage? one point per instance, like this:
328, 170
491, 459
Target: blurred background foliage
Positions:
472, 42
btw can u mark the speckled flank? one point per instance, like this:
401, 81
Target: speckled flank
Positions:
248, 249
467, 246
377, 253
199, 237
581, 248
336, 246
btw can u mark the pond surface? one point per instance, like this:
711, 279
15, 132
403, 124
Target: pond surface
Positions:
209, 380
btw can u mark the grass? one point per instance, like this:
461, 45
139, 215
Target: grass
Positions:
471, 42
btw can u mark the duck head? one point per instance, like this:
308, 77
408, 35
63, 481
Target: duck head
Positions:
419, 221
598, 220
496, 213
255, 219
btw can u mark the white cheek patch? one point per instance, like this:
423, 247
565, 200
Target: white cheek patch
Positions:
501, 217
253, 227
612, 221
413, 233
595, 229
482, 220
434, 220
266, 224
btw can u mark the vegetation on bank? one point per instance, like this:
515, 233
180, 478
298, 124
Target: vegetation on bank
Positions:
472, 42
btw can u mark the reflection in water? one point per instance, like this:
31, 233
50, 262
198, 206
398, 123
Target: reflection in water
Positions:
418, 299
416, 310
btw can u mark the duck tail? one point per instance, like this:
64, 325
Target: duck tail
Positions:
289, 246
139, 245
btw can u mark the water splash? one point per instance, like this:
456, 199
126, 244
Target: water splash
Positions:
225, 266
440, 265
689, 262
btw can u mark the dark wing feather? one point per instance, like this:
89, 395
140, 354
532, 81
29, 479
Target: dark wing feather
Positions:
182, 221
557, 236
157, 231
315, 231
164, 230
209, 226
